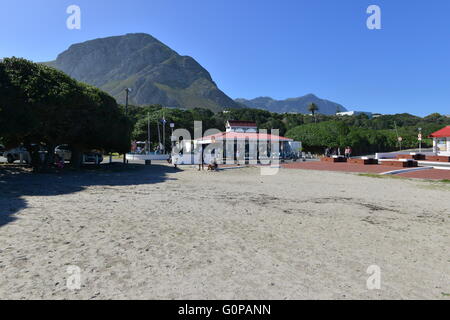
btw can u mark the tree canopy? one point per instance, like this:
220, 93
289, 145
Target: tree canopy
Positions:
364, 135
40, 104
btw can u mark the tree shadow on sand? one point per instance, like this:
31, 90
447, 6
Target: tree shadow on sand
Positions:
17, 182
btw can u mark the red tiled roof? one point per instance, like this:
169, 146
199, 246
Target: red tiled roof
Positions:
244, 135
443, 133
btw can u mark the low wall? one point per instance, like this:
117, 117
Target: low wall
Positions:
143, 157
393, 155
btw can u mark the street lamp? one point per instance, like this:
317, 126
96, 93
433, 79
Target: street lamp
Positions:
420, 140
127, 91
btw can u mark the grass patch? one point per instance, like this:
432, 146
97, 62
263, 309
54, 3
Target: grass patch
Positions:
371, 175
380, 176
422, 183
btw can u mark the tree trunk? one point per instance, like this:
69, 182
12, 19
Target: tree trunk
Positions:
76, 159
50, 158
33, 156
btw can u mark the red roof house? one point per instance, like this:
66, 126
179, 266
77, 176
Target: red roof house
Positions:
443, 133
238, 136
441, 141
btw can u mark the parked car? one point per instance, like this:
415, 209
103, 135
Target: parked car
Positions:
14, 155
93, 157
2, 149
65, 152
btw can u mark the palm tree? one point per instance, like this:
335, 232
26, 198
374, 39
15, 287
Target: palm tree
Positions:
312, 107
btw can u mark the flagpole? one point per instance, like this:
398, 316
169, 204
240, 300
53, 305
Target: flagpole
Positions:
164, 133
159, 135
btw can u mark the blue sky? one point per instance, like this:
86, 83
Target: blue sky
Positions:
282, 49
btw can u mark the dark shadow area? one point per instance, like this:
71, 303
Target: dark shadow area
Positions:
18, 181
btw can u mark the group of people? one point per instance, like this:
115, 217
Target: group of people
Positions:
41, 161
329, 152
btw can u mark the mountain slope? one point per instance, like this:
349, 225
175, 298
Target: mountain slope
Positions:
155, 73
299, 105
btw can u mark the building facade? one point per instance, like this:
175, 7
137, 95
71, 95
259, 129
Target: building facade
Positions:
240, 143
441, 141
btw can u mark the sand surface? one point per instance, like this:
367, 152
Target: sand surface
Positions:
157, 233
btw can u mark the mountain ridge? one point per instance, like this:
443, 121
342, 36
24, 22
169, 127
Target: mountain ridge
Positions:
293, 105
155, 73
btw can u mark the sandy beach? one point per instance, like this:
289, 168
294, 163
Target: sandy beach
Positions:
160, 233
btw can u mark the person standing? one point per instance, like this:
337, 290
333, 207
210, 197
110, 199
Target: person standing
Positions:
201, 165
348, 152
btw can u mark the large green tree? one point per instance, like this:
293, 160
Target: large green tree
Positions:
40, 104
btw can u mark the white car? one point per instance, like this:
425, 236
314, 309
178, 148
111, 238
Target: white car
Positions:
65, 153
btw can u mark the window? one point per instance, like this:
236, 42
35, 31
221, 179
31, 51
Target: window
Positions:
442, 144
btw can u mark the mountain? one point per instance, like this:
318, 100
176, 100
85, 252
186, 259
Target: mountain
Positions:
298, 105
155, 73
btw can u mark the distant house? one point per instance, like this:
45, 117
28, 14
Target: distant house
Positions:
245, 139
441, 141
354, 113
242, 142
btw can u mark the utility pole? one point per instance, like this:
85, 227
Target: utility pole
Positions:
148, 132
399, 139
127, 91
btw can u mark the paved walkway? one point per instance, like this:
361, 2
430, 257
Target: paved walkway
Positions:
345, 167
432, 174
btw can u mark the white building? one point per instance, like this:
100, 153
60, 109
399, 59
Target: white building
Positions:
354, 113
240, 143
441, 141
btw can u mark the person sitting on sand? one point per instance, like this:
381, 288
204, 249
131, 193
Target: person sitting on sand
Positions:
213, 166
